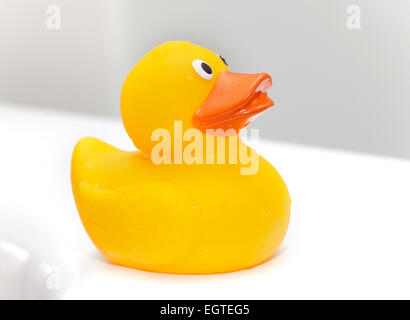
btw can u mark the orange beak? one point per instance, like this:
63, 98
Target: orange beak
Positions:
234, 102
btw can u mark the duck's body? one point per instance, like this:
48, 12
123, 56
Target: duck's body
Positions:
176, 218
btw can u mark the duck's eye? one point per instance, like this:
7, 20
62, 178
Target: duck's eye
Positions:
223, 59
203, 69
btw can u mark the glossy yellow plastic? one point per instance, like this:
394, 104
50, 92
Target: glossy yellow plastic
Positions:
175, 218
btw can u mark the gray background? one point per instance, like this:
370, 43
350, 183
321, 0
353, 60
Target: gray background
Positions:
332, 86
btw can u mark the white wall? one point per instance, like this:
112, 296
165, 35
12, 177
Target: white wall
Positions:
75, 67
332, 87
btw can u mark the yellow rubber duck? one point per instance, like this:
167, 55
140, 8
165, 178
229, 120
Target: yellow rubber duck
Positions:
205, 216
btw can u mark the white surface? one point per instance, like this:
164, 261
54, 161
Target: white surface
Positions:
348, 237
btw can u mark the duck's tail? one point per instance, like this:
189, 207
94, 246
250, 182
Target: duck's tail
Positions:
133, 222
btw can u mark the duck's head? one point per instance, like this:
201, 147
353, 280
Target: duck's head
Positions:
182, 81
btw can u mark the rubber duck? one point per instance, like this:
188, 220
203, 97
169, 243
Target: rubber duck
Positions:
201, 217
